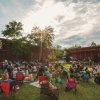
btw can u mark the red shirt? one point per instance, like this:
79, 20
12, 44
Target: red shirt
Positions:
42, 78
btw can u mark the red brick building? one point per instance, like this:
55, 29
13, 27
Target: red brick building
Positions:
38, 54
4, 49
6, 53
86, 53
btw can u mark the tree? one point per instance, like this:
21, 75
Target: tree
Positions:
48, 37
35, 37
75, 46
57, 52
67, 55
13, 30
52, 55
42, 37
21, 47
93, 44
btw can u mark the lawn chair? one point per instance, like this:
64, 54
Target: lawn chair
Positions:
19, 78
71, 85
8, 88
46, 94
97, 79
86, 77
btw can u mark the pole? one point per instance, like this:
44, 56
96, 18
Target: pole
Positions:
40, 55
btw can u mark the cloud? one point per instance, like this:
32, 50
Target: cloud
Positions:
72, 40
74, 21
44, 16
76, 1
84, 23
13, 10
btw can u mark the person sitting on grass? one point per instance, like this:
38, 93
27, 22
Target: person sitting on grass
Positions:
5, 76
97, 79
14, 72
47, 73
42, 78
86, 76
1, 74
29, 77
47, 81
50, 88
71, 83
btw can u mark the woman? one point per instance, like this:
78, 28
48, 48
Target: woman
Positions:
46, 81
97, 79
29, 77
46, 85
71, 82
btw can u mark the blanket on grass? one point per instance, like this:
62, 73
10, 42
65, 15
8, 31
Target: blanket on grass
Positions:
36, 84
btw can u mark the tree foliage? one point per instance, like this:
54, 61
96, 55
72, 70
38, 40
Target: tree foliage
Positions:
22, 46
57, 53
13, 30
19, 45
93, 44
75, 46
68, 55
48, 37
42, 36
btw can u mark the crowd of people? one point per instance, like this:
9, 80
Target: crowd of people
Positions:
50, 73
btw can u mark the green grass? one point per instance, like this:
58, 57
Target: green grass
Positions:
27, 92
86, 91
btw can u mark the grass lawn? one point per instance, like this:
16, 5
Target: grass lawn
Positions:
86, 91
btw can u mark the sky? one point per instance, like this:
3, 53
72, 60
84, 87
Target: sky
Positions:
74, 21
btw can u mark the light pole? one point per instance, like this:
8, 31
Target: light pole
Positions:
40, 55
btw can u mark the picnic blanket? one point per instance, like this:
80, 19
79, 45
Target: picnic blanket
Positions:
36, 84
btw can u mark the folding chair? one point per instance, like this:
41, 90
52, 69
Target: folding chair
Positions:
71, 85
46, 94
97, 79
19, 78
8, 89
86, 77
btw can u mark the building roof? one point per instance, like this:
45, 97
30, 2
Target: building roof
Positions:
95, 48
